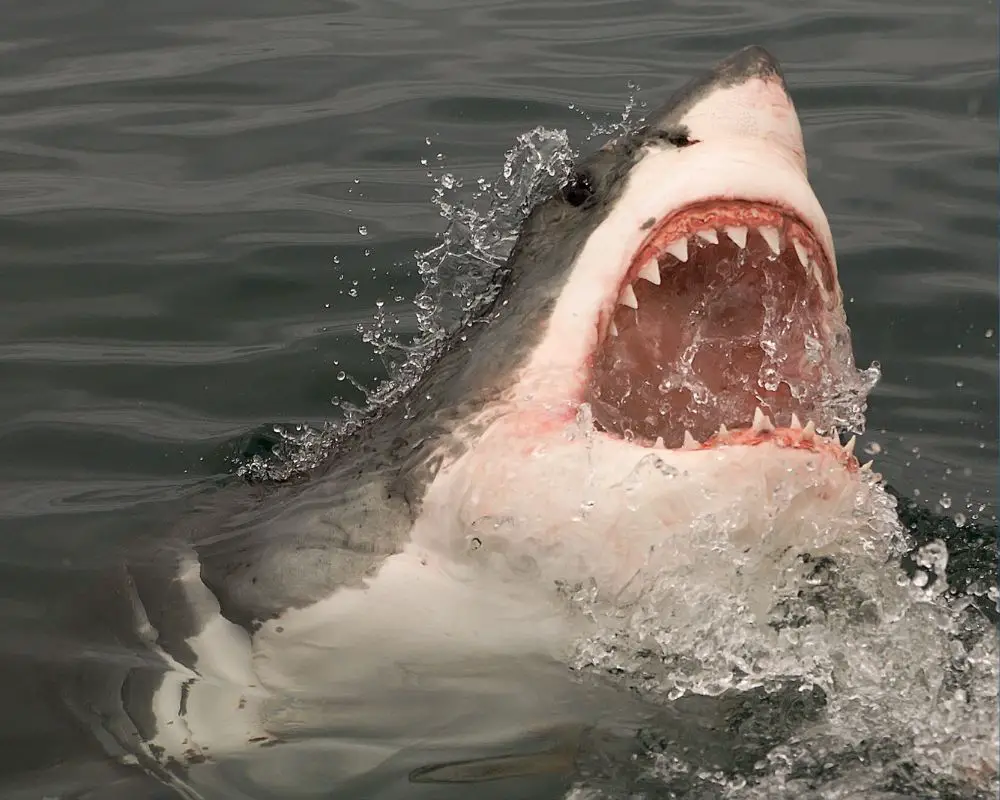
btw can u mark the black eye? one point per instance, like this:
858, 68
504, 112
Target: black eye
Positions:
678, 138
578, 189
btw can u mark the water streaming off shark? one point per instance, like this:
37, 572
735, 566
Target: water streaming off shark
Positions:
609, 513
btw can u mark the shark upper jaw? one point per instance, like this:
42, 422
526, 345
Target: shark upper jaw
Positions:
708, 244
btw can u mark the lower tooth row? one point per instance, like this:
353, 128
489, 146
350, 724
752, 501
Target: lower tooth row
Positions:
764, 424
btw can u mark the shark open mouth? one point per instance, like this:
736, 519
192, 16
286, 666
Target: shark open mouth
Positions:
727, 310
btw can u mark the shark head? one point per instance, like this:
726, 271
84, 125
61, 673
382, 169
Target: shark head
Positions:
707, 286
676, 298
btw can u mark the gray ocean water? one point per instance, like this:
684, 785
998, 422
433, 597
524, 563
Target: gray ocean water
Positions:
201, 201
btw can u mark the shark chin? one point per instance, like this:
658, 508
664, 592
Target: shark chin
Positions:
650, 401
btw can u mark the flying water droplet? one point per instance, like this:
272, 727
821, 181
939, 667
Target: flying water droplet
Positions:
649, 469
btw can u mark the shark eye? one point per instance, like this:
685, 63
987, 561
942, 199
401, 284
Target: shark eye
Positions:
679, 138
578, 189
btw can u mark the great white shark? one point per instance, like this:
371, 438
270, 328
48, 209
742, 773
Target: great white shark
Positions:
661, 353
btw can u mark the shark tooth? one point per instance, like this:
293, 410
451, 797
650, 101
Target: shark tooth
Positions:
761, 422
801, 252
612, 328
651, 272
678, 249
818, 277
709, 235
849, 447
867, 466
809, 431
770, 235
738, 234
627, 297
690, 443
659, 442
796, 422
723, 430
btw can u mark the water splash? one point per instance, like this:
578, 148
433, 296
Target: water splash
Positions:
480, 228
908, 671
457, 272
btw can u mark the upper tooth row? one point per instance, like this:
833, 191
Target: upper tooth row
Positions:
738, 234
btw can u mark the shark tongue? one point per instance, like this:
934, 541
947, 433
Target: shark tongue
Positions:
727, 330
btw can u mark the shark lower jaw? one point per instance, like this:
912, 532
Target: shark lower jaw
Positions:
723, 328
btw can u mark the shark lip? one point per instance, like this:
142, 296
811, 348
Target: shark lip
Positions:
724, 313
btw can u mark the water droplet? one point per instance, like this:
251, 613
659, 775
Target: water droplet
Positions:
363, 230
341, 375
920, 579
945, 501
960, 519
989, 333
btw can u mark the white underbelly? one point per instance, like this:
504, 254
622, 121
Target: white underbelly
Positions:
387, 660
418, 613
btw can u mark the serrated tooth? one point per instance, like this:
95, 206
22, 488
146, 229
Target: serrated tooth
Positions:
738, 234
761, 422
651, 272
709, 235
770, 235
659, 442
809, 431
690, 443
612, 328
796, 422
801, 252
627, 297
678, 249
867, 466
817, 274
849, 447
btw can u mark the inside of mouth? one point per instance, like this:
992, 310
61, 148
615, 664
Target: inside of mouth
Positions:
739, 319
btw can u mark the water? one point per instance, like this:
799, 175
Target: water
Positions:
202, 207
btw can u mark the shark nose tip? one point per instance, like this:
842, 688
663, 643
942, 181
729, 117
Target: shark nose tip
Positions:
753, 61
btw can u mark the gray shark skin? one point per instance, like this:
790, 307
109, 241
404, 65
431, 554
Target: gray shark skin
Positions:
251, 560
